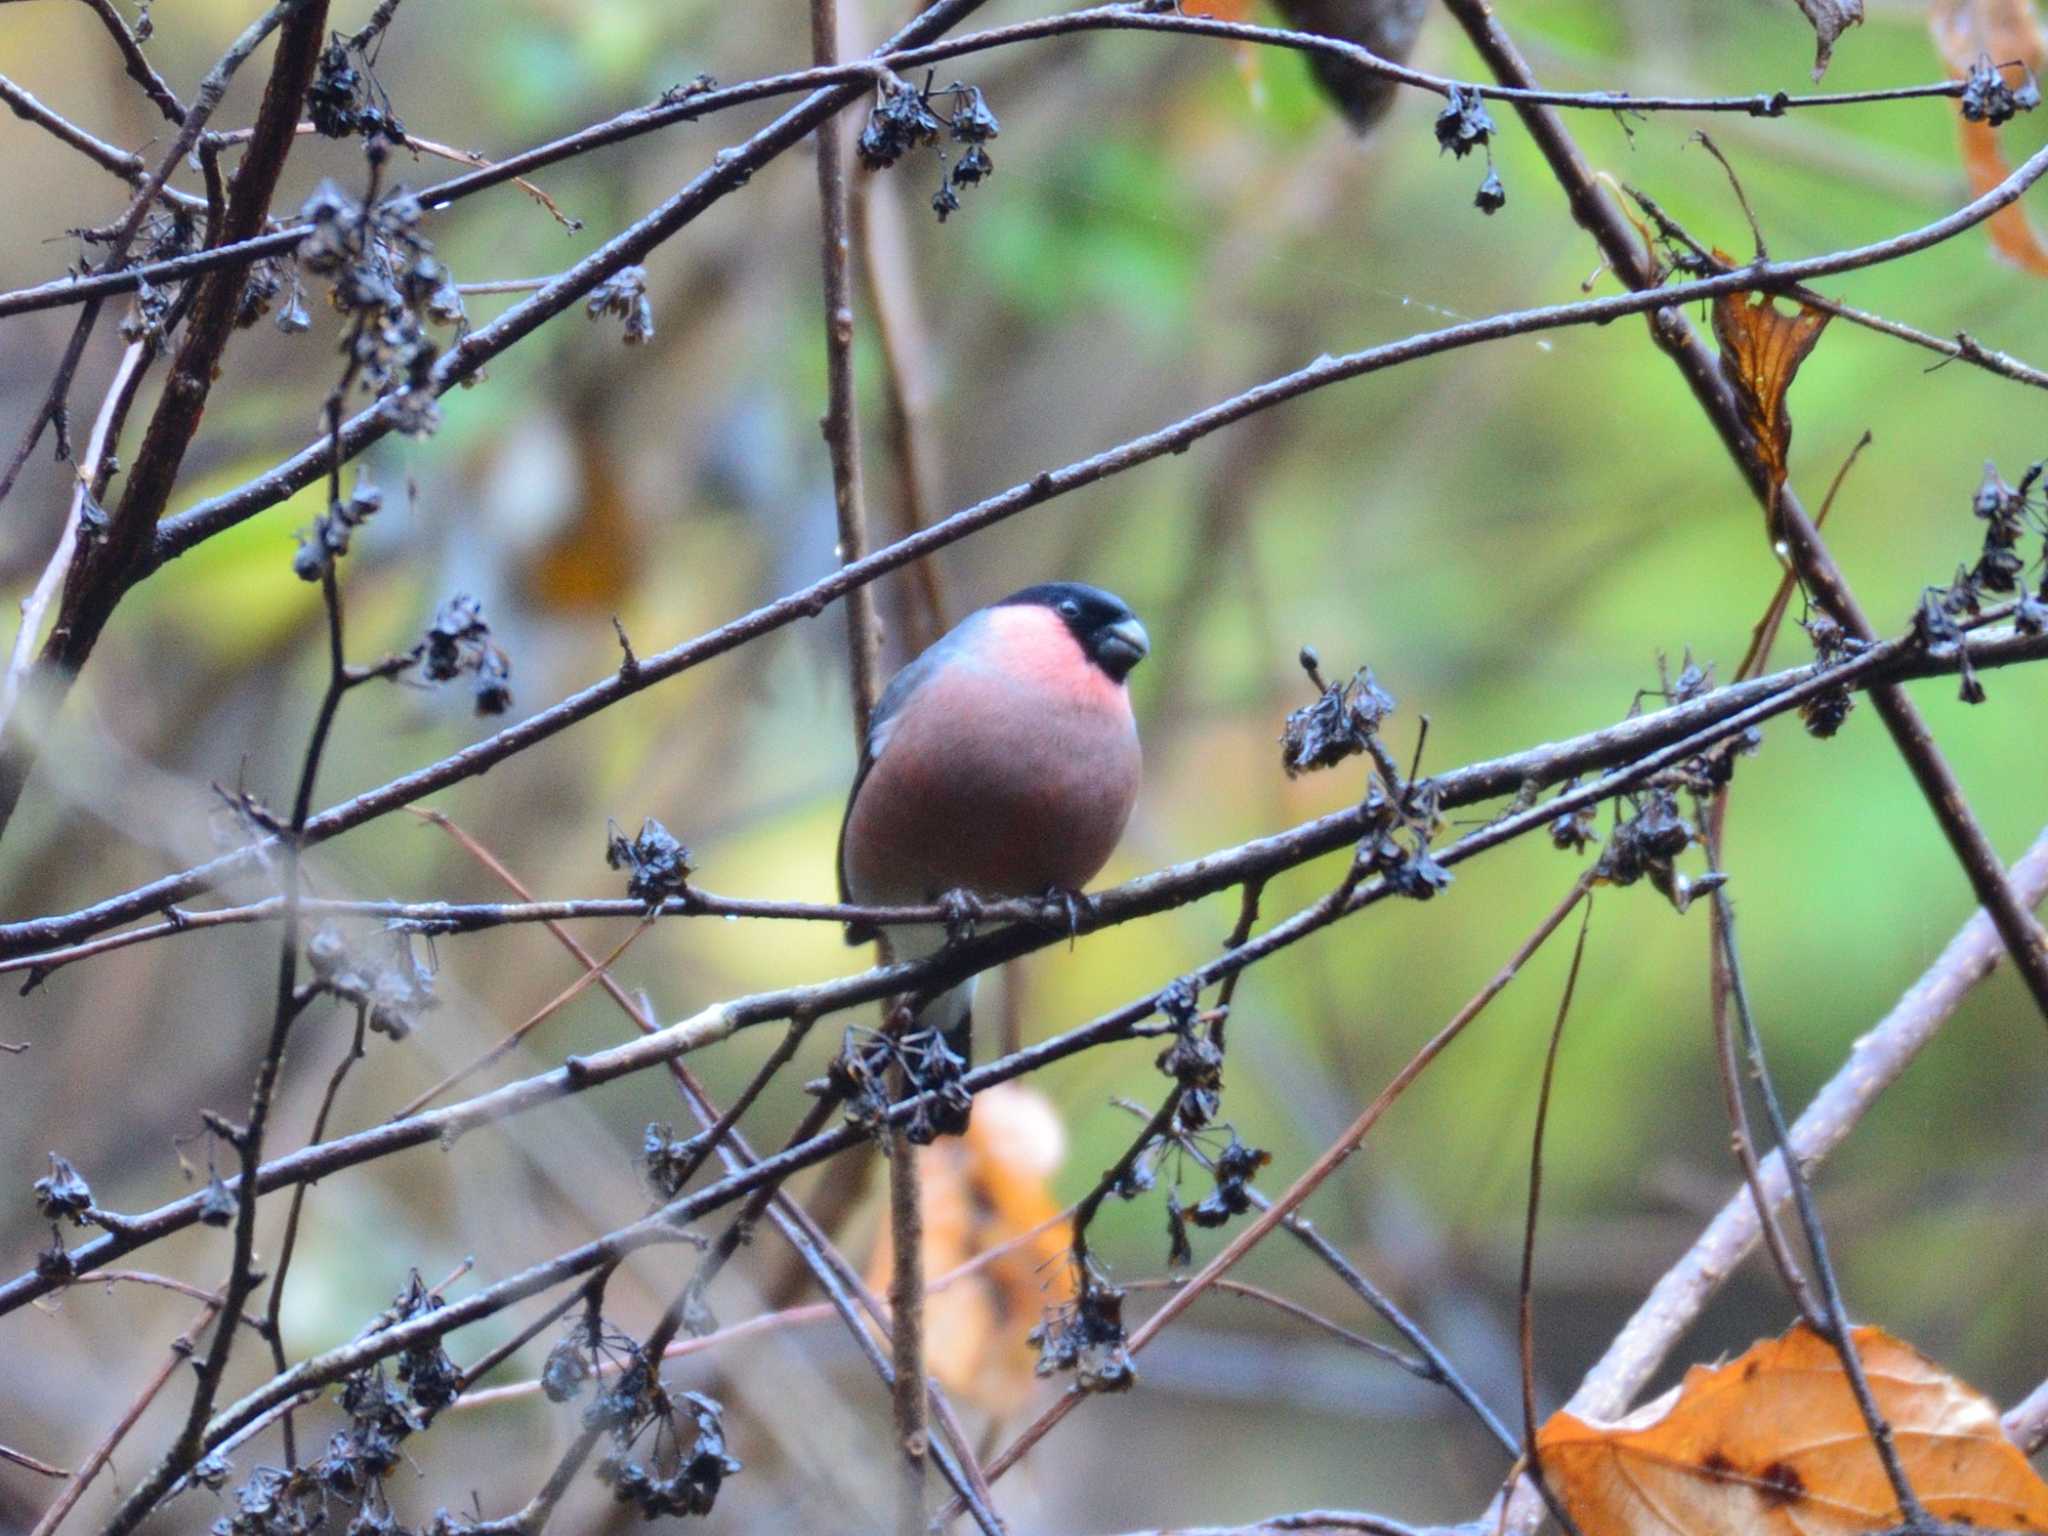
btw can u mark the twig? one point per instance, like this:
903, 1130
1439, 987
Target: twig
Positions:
30, 1463
380, 19
1169, 888
841, 425
1741, 1139
1310, 1180
519, 1032
1525, 1289
443, 917
1876, 1061
55, 406
1115, 1174
1433, 1366
1765, 635
217, 141
140, 70
1835, 1316
1293, 1309
1713, 822
904, 344
144, 1277
2026, 1425
37, 602
273, 1316
179, 1352
248, 1140
130, 168
906, 1327
1313, 1522
507, 285
1963, 347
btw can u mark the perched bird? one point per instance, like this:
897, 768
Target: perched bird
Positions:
1387, 28
1001, 762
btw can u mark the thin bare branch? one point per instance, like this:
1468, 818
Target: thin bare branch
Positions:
179, 1352
1879, 1057
140, 70
1468, 786
1310, 1180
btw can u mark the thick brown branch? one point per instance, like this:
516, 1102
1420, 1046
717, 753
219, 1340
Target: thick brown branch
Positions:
1598, 214
102, 571
124, 555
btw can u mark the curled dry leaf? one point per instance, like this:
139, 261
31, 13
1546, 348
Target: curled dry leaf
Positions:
1761, 350
2006, 32
1773, 1442
983, 1190
1830, 18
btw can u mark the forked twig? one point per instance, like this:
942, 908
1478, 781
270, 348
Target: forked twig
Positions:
1310, 1180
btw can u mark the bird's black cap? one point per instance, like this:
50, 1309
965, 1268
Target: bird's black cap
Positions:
1101, 621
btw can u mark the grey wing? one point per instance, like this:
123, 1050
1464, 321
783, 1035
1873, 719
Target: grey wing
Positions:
887, 708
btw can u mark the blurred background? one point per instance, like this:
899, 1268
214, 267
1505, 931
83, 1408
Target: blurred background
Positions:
1510, 536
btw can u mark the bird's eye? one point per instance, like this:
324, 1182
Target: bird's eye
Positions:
1069, 608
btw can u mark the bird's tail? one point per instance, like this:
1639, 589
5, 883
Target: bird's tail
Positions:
952, 1014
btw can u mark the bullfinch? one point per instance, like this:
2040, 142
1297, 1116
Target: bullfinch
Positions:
1002, 762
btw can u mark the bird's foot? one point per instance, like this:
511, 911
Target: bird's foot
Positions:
960, 910
1063, 910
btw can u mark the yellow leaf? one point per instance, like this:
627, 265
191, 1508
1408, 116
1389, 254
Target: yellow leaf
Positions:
1772, 1442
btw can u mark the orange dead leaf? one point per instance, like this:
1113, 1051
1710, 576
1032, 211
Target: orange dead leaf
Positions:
1772, 1442
1221, 10
589, 562
2012, 233
984, 1190
2005, 32
1761, 349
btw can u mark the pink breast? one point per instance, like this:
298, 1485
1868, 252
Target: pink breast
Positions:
1004, 782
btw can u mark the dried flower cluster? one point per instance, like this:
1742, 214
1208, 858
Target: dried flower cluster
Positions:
906, 118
